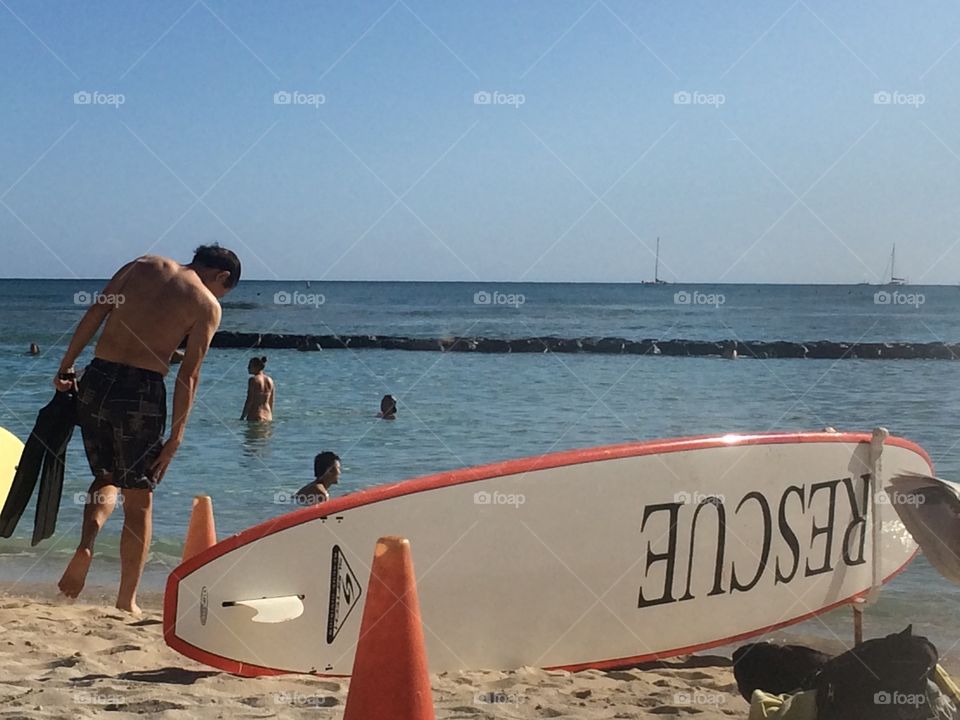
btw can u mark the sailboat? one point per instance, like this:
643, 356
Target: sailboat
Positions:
894, 280
656, 270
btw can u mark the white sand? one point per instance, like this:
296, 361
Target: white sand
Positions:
89, 660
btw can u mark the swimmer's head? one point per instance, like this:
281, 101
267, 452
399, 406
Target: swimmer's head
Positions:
256, 364
326, 467
388, 405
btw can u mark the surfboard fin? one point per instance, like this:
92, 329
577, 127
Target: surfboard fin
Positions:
930, 509
272, 610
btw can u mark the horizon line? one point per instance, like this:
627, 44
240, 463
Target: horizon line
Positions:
662, 284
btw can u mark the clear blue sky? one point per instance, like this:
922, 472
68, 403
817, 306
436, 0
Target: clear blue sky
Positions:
799, 176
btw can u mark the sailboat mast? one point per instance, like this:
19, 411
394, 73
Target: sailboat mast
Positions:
656, 267
893, 263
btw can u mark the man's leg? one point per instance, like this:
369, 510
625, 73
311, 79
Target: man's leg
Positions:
101, 500
134, 544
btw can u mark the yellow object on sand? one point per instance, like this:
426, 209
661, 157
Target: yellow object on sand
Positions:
799, 706
803, 705
10, 451
946, 684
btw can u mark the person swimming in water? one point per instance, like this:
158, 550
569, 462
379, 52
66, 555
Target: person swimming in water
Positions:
260, 393
326, 472
388, 408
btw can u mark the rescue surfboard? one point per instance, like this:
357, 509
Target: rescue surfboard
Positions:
589, 558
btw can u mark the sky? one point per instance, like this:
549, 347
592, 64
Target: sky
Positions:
536, 140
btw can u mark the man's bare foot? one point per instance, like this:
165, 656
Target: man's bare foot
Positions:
130, 607
75, 575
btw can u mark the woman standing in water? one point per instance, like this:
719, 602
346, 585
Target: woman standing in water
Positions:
260, 392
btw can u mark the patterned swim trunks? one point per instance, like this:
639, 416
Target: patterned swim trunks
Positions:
122, 413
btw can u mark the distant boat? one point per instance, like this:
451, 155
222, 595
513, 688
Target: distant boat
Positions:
656, 271
894, 280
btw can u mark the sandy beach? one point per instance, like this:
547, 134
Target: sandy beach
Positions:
89, 660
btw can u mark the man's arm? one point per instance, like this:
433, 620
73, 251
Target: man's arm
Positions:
92, 320
186, 383
273, 390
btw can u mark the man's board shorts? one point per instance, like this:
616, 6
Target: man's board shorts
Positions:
122, 413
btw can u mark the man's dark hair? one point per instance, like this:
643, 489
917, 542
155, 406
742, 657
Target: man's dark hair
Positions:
323, 462
218, 258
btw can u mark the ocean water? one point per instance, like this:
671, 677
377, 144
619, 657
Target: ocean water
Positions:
460, 409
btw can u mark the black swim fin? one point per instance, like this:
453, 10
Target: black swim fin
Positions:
51, 487
42, 458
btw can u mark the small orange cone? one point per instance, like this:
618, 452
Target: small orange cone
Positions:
390, 679
201, 532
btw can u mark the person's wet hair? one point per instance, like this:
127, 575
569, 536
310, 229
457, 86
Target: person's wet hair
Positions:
218, 258
323, 462
259, 363
388, 405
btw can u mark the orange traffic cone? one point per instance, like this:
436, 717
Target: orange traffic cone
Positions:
390, 678
201, 532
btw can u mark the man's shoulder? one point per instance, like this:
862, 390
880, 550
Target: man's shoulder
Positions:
154, 263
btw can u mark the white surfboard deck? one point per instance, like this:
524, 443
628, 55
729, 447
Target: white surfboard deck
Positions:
566, 560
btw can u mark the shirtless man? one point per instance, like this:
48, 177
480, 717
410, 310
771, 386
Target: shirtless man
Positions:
326, 472
149, 306
260, 392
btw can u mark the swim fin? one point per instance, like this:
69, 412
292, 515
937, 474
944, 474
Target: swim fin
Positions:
51, 486
42, 458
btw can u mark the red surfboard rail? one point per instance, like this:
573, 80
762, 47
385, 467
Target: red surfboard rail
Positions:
493, 470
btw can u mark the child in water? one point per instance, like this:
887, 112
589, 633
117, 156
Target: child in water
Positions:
260, 392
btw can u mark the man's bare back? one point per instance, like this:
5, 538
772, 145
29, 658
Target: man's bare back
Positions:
157, 303
145, 311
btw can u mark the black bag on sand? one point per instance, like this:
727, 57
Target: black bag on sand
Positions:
775, 669
882, 679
